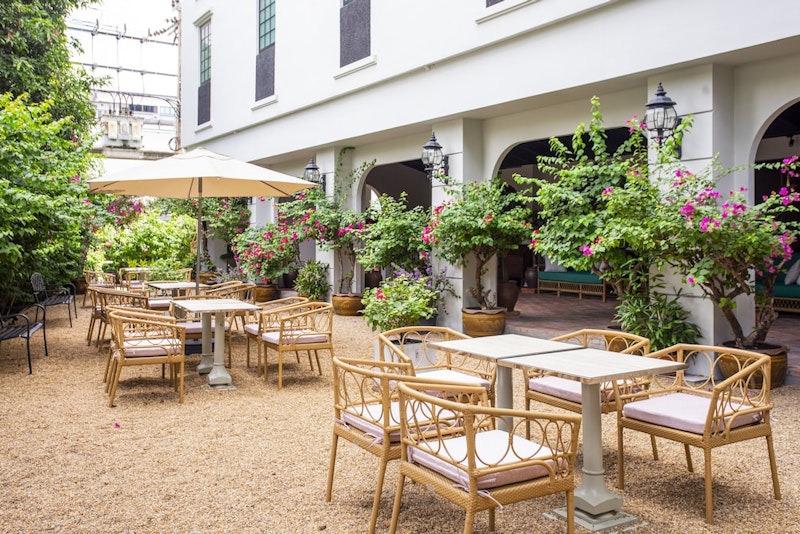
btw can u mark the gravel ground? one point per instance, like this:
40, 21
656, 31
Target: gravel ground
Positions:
254, 459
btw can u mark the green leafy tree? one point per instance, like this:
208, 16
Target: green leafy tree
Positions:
43, 205
482, 219
394, 235
147, 241
35, 60
584, 227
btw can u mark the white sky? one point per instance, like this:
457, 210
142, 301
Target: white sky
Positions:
137, 15
131, 18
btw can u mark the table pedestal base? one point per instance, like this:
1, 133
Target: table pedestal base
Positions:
205, 365
219, 376
597, 523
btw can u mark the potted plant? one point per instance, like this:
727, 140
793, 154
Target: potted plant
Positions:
481, 220
263, 253
717, 242
393, 235
334, 227
312, 280
590, 212
405, 299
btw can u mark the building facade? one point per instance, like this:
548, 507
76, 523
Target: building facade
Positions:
277, 82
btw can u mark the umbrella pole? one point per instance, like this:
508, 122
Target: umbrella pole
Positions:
199, 235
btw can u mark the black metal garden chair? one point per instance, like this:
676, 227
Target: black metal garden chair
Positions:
20, 325
54, 296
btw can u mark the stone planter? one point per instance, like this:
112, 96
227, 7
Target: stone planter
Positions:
348, 304
478, 323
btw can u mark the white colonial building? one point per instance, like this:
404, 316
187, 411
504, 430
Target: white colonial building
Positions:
277, 82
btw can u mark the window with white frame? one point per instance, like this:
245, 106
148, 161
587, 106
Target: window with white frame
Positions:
265, 58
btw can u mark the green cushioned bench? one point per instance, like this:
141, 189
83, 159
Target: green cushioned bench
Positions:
787, 296
578, 282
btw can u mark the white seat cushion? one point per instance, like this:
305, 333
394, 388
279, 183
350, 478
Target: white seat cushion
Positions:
680, 411
297, 338
140, 348
491, 448
448, 375
563, 388
363, 417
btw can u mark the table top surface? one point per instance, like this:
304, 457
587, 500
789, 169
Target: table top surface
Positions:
504, 346
593, 366
174, 285
214, 305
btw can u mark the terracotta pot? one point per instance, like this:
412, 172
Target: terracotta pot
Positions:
372, 278
347, 304
507, 295
478, 323
778, 355
532, 278
266, 292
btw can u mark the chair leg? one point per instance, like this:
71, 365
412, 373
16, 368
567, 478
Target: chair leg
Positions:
620, 460
570, 512
469, 521
181, 367
776, 489
491, 519
398, 499
653, 446
376, 503
331, 466
114, 383
689, 464
280, 368
709, 498
319, 367
247, 338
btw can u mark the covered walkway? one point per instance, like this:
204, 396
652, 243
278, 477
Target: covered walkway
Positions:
547, 315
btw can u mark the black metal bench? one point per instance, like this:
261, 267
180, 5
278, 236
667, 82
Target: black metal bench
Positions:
19, 325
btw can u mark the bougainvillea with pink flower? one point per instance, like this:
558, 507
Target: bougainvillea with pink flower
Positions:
481, 220
718, 241
621, 213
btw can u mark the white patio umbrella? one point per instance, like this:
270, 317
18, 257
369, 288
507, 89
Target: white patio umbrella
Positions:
196, 174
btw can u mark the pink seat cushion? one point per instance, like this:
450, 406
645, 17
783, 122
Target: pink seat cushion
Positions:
297, 338
196, 327
456, 377
140, 348
555, 386
369, 418
681, 411
159, 304
251, 328
491, 448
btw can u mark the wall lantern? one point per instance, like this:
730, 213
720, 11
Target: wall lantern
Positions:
433, 159
312, 174
661, 118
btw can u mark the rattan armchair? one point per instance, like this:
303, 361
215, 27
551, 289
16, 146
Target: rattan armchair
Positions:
565, 393
96, 279
707, 413
305, 327
112, 297
365, 408
146, 341
411, 344
257, 323
454, 448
